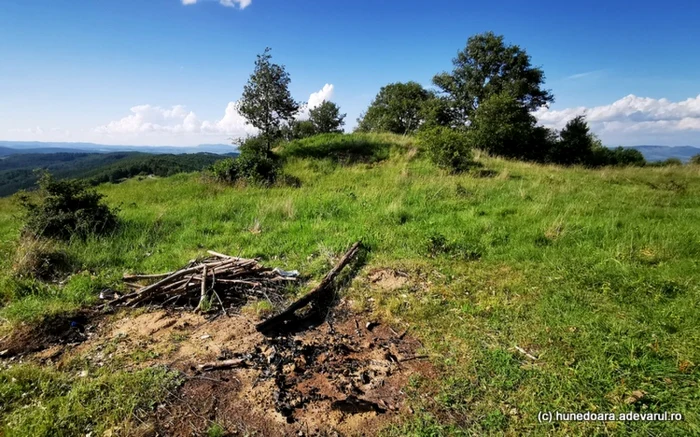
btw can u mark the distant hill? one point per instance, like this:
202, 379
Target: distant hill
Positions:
662, 153
15, 147
17, 170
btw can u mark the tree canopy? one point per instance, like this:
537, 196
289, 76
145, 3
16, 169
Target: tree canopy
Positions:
486, 67
397, 108
267, 102
326, 118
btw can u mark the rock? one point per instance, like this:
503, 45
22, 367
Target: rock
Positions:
635, 397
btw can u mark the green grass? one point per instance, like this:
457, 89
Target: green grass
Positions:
45, 402
593, 272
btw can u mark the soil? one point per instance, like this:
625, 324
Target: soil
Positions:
57, 330
343, 377
388, 279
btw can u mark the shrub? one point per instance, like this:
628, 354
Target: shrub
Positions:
447, 147
695, 159
255, 164
67, 208
670, 162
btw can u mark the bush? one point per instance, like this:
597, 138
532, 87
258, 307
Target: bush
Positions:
254, 164
695, 159
67, 208
447, 147
670, 162
344, 148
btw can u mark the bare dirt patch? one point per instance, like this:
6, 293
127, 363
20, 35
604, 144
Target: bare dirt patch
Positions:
343, 377
388, 279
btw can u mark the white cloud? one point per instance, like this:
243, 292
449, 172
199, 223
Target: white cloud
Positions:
587, 74
315, 99
148, 119
228, 3
232, 124
155, 124
633, 119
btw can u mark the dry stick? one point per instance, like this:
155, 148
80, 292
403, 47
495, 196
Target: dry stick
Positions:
415, 357
137, 277
219, 365
217, 254
221, 255
168, 300
288, 314
236, 281
223, 308
524, 352
204, 288
142, 297
151, 287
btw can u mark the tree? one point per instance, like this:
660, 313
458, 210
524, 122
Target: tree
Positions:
398, 108
487, 67
326, 118
575, 145
503, 126
266, 102
695, 159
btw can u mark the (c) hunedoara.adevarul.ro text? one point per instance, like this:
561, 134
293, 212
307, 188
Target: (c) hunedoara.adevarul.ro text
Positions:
555, 416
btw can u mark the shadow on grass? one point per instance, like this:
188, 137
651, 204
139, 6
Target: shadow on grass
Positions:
340, 148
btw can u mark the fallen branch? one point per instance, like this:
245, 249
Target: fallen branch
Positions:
276, 322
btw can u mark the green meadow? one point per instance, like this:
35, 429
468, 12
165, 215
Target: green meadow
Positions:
592, 273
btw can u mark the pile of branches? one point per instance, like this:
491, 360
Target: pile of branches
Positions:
219, 280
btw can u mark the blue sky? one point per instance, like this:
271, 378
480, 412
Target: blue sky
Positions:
163, 72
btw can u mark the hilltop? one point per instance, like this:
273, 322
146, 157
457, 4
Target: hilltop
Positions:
530, 287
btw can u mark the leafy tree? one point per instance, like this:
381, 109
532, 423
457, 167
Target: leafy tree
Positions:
488, 67
695, 159
503, 126
67, 208
575, 145
326, 118
266, 102
397, 108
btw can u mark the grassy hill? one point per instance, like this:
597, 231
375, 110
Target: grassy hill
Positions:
592, 272
17, 171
